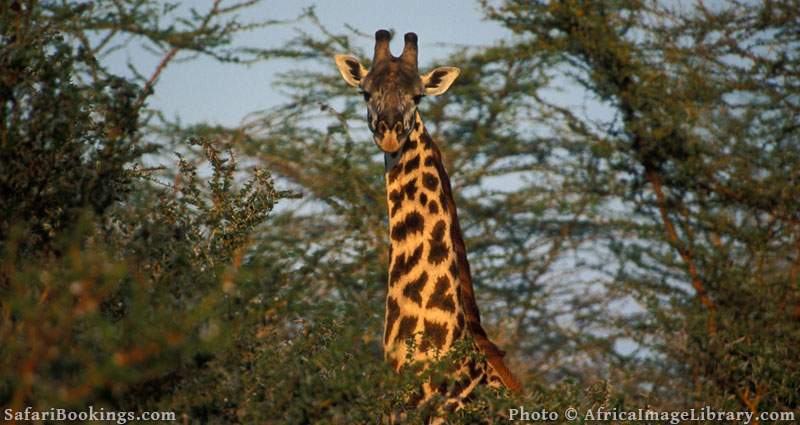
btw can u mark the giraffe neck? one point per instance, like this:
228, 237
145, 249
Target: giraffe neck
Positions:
423, 298
429, 297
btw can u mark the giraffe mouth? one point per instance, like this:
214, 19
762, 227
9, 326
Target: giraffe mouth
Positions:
390, 141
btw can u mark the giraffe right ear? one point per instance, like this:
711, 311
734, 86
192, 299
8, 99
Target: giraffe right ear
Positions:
351, 69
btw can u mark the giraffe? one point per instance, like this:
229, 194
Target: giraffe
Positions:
429, 297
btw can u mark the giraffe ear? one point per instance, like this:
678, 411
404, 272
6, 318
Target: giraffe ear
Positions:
351, 69
439, 80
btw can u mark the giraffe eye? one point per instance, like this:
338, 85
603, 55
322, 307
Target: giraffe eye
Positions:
366, 95
417, 98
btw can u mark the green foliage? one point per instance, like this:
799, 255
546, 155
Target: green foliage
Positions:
705, 130
65, 145
134, 300
112, 283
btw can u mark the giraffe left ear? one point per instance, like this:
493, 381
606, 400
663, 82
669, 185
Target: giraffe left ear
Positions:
351, 69
439, 80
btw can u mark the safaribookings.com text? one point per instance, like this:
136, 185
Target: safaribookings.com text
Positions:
89, 415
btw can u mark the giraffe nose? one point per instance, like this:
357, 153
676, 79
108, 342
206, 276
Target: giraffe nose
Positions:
397, 127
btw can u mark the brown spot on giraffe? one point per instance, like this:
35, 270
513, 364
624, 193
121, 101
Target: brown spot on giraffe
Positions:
453, 269
413, 222
402, 265
430, 181
424, 233
441, 298
411, 165
433, 333
406, 329
411, 144
392, 313
410, 189
438, 251
459, 328
396, 201
394, 173
433, 208
413, 289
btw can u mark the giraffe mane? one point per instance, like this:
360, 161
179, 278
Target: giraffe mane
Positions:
472, 316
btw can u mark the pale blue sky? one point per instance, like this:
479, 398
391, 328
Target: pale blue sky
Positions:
204, 90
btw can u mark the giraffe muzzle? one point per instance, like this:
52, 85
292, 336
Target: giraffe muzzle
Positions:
390, 139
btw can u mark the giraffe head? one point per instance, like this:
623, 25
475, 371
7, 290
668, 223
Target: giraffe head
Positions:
393, 88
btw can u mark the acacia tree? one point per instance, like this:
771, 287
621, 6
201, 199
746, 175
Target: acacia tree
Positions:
704, 141
114, 283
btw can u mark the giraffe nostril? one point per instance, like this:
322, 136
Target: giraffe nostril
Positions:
398, 127
382, 127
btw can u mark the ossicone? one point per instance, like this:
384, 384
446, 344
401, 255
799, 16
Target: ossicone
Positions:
409, 55
382, 53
